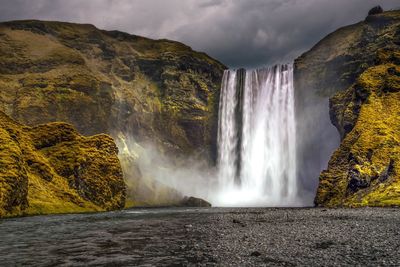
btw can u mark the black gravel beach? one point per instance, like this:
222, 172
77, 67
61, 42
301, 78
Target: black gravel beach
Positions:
205, 237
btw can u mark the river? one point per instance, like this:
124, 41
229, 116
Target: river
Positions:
205, 237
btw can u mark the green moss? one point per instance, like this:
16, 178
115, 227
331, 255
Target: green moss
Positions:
364, 170
13, 173
50, 168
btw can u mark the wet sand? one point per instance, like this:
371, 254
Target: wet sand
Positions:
205, 237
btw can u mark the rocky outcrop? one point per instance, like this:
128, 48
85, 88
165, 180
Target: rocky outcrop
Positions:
375, 10
355, 68
51, 168
194, 202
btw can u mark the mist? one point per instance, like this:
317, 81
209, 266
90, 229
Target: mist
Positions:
317, 139
160, 179
156, 179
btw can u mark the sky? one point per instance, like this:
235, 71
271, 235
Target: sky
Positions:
239, 33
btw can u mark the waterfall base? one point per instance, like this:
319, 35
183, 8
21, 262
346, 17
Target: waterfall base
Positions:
242, 198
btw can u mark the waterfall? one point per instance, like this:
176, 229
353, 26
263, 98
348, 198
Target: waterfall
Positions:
256, 138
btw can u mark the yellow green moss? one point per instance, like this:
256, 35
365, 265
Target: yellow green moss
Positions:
370, 152
50, 168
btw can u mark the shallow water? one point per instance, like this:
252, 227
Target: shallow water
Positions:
181, 237
140, 236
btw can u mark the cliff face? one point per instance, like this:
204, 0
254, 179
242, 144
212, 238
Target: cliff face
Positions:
356, 69
109, 81
365, 168
156, 91
331, 66
50, 168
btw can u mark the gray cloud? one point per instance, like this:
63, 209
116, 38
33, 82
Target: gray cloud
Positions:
239, 33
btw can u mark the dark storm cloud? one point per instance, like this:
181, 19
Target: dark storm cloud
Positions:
245, 33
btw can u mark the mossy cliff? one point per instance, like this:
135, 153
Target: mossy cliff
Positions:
109, 81
357, 69
365, 170
156, 91
50, 168
332, 66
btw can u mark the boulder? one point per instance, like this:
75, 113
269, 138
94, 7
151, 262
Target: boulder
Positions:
194, 202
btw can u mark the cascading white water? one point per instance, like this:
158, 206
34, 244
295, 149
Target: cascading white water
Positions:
256, 138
